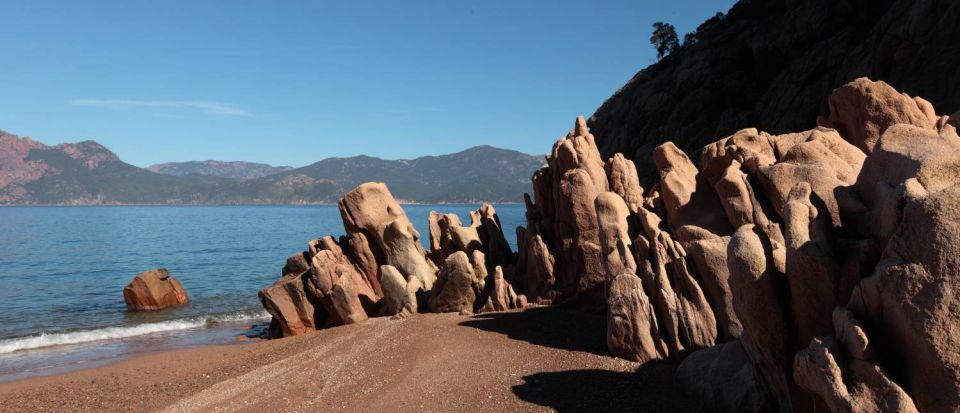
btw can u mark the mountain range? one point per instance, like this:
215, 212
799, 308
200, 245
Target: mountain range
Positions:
87, 173
235, 169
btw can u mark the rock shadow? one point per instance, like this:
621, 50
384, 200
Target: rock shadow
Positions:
548, 327
650, 389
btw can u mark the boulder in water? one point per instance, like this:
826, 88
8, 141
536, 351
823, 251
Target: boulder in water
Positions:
154, 290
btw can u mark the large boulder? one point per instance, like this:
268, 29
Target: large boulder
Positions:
154, 290
540, 281
724, 378
632, 330
844, 373
709, 257
911, 301
370, 209
906, 162
579, 151
581, 276
495, 246
758, 299
457, 287
615, 242
692, 209
340, 288
292, 310
403, 251
686, 319
818, 157
811, 267
398, 300
863, 109
622, 174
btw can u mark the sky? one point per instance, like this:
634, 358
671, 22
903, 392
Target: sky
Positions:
293, 82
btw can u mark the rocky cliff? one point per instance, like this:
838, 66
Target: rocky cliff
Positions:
795, 272
768, 64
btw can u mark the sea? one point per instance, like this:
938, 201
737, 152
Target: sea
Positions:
63, 269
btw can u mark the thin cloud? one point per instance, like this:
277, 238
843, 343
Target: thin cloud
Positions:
210, 108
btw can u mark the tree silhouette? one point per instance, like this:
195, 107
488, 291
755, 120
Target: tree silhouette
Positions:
664, 38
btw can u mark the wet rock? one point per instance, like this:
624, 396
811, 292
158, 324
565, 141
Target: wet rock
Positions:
154, 290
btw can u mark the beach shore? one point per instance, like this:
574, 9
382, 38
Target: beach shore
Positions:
515, 361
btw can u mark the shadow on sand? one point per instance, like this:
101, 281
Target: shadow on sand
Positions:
548, 327
649, 389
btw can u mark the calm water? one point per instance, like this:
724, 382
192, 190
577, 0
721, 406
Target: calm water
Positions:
63, 269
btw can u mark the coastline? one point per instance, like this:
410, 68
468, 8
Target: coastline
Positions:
520, 360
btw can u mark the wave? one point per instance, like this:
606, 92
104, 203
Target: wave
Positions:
110, 333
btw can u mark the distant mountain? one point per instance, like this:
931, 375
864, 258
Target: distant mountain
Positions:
481, 173
87, 173
235, 169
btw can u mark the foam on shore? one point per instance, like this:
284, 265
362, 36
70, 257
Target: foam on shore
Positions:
111, 333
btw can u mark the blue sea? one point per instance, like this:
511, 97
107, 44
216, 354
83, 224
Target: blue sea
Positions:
63, 269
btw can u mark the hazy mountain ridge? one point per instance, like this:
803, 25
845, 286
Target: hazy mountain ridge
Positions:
224, 169
86, 173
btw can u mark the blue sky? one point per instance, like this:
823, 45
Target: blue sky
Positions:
294, 82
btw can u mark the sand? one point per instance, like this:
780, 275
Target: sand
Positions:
541, 359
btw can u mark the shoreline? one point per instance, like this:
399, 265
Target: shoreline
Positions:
519, 360
59, 353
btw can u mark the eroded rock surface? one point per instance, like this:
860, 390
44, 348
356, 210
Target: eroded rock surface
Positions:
801, 271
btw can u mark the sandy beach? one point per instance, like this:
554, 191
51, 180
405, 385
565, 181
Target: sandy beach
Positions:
515, 361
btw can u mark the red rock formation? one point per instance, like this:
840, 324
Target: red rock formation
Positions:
292, 310
828, 256
379, 268
154, 290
